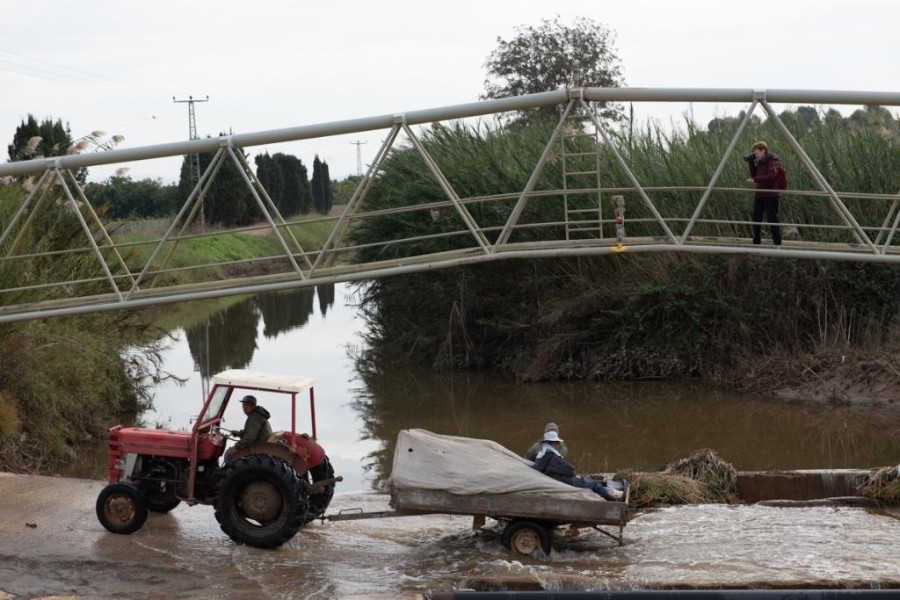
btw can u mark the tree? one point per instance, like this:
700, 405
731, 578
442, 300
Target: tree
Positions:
297, 191
343, 190
323, 197
38, 140
329, 193
876, 119
268, 172
285, 179
551, 56
229, 201
728, 125
121, 197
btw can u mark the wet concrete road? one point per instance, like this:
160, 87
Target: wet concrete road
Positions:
51, 544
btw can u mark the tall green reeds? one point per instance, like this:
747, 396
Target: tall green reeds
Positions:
625, 316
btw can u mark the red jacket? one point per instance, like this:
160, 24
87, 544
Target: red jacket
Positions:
763, 174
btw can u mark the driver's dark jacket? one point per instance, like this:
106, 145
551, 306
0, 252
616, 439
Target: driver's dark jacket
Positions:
256, 428
555, 466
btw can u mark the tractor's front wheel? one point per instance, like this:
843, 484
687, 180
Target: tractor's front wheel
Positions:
121, 508
261, 502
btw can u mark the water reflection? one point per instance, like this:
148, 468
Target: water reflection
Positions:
639, 426
228, 339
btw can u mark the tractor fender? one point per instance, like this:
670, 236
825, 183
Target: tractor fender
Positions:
280, 451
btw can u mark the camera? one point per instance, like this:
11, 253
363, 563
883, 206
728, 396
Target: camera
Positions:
749, 157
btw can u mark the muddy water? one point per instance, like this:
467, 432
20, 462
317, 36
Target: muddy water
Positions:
64, 551
607, 427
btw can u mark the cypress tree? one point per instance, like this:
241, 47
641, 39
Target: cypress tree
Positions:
318, 186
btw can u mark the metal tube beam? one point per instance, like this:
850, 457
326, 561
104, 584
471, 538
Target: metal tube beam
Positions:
463, 212
459, 111
842, 210
513, 218
274, 136
455, 262
265, 212
337, 233
61, 180
715, 177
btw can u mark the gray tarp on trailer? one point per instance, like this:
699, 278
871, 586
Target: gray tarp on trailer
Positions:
457, 475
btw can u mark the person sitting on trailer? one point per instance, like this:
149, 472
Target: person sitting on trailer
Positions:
550, 462
532, 452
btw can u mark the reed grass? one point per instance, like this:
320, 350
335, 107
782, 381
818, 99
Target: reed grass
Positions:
718, 476
624, 316
883, 486
653, 489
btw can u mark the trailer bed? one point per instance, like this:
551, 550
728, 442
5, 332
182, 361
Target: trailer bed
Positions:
510, 506
440, 474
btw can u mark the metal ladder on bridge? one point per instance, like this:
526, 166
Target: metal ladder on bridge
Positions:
580, 156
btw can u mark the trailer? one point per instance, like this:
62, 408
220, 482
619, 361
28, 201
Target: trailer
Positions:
438, 474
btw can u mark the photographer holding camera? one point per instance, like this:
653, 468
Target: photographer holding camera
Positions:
763, 167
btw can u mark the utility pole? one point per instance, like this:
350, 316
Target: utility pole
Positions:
192, 130
194, 165
359, 156
194, 159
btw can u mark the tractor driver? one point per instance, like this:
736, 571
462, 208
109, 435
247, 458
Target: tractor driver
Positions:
256, 427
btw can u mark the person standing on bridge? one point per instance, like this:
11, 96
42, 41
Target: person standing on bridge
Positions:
763, 171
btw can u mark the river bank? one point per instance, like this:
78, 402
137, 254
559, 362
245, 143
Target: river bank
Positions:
838, 375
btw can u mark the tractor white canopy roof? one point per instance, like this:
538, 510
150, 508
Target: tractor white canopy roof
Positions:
259, 380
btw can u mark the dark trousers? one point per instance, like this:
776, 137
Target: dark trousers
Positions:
770, 207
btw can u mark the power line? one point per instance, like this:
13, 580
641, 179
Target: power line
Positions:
359, 143
22, 64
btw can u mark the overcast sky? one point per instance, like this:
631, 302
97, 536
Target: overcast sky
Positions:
115, 65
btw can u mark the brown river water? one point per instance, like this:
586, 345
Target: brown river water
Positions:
608, 427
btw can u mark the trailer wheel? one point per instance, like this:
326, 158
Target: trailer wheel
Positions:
121, 508
262, 502
524, 537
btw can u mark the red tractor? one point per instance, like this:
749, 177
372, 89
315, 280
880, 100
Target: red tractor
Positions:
262, 495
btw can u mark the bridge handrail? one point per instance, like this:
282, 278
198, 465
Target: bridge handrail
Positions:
458, 111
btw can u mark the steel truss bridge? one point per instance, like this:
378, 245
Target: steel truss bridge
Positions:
589, 219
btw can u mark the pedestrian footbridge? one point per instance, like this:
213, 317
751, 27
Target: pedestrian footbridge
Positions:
584, 211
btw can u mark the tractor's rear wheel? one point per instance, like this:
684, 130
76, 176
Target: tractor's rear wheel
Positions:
318, 503
261, 502
121, 508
